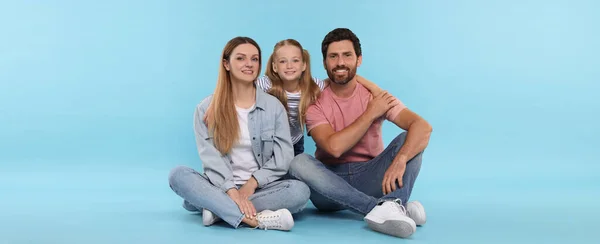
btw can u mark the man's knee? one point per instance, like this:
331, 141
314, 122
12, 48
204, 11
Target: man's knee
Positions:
416, 161
399, 142
400, 139
302, 165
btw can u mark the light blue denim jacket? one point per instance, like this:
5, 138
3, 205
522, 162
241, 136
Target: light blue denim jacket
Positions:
271, 143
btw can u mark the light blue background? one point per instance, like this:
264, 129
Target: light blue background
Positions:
97, 97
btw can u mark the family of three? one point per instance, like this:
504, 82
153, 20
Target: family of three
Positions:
249, 136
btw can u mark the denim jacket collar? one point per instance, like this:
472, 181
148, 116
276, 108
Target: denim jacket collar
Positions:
261, 100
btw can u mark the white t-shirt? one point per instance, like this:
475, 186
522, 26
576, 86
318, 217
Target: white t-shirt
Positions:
242, 156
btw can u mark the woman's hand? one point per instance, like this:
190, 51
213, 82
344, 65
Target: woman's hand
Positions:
248, 189
245, 205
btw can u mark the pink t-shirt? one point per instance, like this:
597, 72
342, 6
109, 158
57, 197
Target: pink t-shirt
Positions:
341, 113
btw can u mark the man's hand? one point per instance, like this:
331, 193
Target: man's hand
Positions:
245, 205
380, 104
392, 175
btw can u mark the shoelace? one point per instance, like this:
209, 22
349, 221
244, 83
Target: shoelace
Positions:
267, 221
400, 206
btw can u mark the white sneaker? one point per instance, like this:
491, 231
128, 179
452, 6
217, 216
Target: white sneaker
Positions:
416, 211
276, 220
390, 218
208, 217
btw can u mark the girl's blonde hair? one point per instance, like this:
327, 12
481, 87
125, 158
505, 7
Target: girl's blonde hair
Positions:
309, 89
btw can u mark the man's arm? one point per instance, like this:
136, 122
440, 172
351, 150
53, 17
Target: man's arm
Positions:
337, 143
417, 136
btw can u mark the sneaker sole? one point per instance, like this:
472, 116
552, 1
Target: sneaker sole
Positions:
397, 228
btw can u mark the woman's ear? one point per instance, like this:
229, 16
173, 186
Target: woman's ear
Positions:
226, 65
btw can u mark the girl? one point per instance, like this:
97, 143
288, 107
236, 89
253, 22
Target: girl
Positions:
288, 78
243, 140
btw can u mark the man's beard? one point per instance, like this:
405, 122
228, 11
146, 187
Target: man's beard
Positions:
349, 75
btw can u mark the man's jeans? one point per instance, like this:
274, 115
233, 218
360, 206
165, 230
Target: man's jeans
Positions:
197, 190
354, 186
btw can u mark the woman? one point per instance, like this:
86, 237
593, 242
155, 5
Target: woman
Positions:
243, 139
288, 78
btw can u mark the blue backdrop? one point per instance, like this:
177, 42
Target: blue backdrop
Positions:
510, 87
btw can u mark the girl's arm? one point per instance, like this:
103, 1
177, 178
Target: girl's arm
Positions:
264, 83
322, 84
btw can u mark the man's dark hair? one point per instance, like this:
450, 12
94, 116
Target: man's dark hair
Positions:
340, 34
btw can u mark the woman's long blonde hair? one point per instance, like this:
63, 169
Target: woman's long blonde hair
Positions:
308, 88
221, 116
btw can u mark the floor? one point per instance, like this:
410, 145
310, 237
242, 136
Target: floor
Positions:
125, 202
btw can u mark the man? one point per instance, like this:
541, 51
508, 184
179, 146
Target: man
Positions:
352, 170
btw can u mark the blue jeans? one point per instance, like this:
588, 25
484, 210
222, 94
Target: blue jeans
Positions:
356, 185
299, 146
196, 189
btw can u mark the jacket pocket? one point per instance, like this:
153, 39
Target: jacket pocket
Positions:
267, 139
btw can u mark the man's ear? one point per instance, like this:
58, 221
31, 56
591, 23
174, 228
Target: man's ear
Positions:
359, 61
